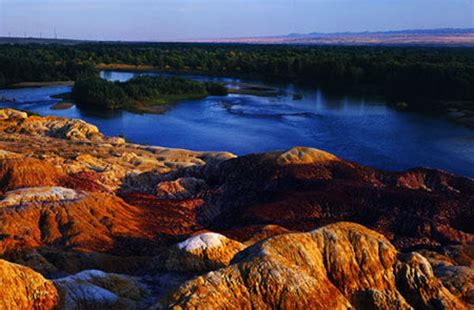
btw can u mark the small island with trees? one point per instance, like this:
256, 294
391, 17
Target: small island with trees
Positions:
145, 94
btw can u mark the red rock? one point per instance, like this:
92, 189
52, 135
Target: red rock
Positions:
432, 209
93, 222
27, 172
85, 181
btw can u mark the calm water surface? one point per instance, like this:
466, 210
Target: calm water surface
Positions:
358, 129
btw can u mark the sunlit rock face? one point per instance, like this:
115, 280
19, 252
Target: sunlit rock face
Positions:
203, 252
339, 266
50, 126
12, 114
18, 173
304, 156
22, 288
6, 154
35, 195
65, 218
181, 188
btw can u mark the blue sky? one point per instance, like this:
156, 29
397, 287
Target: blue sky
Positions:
198, 19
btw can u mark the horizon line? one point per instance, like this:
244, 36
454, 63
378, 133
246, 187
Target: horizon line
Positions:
194, 40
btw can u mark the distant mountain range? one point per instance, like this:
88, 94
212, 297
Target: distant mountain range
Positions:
446, 36
442, 31
416, 37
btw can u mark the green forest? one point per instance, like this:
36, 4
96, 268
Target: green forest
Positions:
140, 92
398, 73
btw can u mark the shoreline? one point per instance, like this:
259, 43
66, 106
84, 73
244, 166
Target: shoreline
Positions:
62, 106
39, 84
456, 111
160, 106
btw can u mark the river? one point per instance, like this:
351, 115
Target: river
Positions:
360, 129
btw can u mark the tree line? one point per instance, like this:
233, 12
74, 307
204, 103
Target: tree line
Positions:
397, 72
15, 69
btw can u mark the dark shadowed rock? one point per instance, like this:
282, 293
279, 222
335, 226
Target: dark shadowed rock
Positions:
303, 189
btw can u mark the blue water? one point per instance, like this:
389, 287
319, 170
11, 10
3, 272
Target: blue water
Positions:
364, 130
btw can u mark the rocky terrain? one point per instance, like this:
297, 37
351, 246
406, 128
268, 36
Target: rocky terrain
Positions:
94, 222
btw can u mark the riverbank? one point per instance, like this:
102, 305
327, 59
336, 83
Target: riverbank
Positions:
152, 106
253, 90
126, 67
461, 112
159, 105
41, 84
186, 70
62, 106
238, 88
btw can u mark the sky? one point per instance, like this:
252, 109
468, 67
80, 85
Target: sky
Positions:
174, 20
